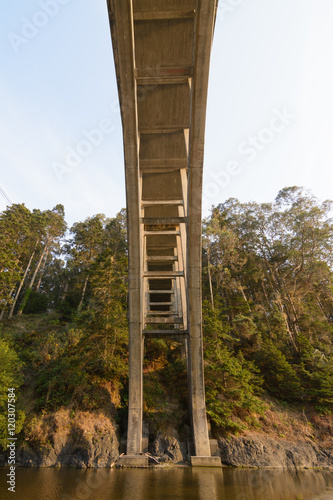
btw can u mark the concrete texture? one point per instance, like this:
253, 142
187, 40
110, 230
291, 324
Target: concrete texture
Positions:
206, 462
214, 446
162, 53
140, 461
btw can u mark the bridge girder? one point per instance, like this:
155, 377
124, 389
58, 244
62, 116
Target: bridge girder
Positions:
162, 52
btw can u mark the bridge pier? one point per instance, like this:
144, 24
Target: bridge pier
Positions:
162, 52
135, 402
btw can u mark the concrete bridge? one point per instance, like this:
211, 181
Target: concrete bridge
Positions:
162, 52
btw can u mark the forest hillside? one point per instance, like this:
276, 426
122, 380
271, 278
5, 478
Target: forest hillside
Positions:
267, 309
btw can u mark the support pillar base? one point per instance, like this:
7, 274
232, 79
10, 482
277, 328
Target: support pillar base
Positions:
139, 461
206, 462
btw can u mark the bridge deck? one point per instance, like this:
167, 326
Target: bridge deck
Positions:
162, 51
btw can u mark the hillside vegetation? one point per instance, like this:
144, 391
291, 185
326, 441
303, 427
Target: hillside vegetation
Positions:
267, 308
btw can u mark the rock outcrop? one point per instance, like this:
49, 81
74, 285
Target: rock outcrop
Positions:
85, 440
90, 440
169, 448
257, 450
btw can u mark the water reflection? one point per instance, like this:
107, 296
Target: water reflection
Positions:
167, 484
208, 482
133, 485
274, 484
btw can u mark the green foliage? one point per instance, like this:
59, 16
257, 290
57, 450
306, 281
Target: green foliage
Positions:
11, 370
268, 277
165, 394
20, 418
232, 383
10, 377
267, 311
316, 371
30, 244
231, 387
36, 303
280, 376
213, 325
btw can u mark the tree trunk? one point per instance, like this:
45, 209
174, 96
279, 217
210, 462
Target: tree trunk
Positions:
286, 318
4, 307
65, 292
3, 312
210, 280
319, 302
42, 269
244, 296
83, 293
11, 312
263, 306
281, 285
28, 292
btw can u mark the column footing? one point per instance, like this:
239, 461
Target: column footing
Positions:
206, 462
139, 461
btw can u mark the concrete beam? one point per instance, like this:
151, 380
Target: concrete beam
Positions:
166, 163
145, 81
163, 321
162, 233
163, 71
162, 64
162, 129
167, 14
206, 461
163, 220
121, 21
163, 274
166, 334
164, 43
150, 203
205, 18
137, 461
161, 258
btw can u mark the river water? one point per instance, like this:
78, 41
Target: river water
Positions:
179, 483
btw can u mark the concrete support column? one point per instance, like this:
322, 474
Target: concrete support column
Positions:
144, 65
196, 368
135, 404
134, 431
121, 19
205, 15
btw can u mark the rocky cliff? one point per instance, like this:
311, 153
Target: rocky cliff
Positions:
91, 440
256, 450
68, 439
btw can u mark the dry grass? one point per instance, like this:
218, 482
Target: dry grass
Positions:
294, 425
41, 429
114, 393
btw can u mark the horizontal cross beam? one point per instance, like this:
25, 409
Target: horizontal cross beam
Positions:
163, 15
163, 203
165, 163
163, 220
162, 321
164, 72
163, 274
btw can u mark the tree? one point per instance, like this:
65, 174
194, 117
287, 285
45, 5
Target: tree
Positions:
268, 273
10, 377
51, 227
85, 246
17, 250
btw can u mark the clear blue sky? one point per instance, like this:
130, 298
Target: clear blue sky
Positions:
269, 116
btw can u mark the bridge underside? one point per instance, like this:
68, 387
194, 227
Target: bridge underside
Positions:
162, 52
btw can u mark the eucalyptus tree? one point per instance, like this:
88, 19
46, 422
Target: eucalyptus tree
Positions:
50, 227
269, 277
17, 250
84, 247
